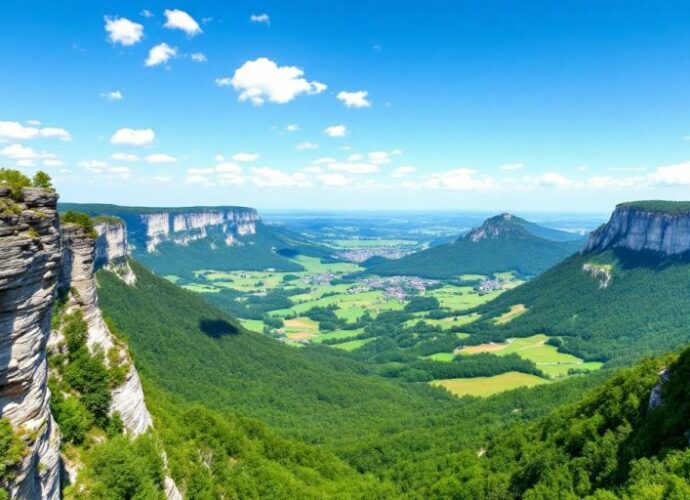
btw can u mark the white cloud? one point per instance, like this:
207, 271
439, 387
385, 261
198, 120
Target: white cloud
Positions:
228, 168
354, 168
226, 81
114, 95
160, 54
201, 171
303, 146
292, 127
334, 180
355, 157
336, 131
554, 179
59, 133
260, 18
146, 13
94, 166
672, 175
324, 160
133, 137
382, 157
270, 177
180, 20
122, 173
354, 99
199, 57
245, 157
261, 80
162, 178
512, 166
19, 152
26, 163
459, 179
124, 157
158, 158
33, 123
53, 163
17, 132
312, 170
123, 31
403, 171
198, 179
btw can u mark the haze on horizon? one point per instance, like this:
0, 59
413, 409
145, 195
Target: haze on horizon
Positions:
488, 106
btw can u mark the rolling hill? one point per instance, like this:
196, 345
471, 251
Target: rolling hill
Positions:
502, 243
623, 297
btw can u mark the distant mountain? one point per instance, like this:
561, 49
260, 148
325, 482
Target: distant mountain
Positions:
180, 241
623, 297
501, 243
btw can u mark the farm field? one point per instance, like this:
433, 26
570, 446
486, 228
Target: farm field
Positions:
514, 312
486, 386
534, 348
353, 344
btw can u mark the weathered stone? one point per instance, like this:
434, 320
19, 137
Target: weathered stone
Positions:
26, 297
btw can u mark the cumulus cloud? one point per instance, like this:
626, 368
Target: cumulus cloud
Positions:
263, 80
260, 18
672, 175
228, 168
16, 131
271, 177
114, 95
245, 157
324, 160
355, 157
19, 152
303, 146
53, 163
292, 127
158, 158
382, 157
336, 131
179, 20
160, 54
133, 137
403, 171
124, 157
354, 99
226, 81
334, 180
123, 31
554, 179
354, 168
199, 57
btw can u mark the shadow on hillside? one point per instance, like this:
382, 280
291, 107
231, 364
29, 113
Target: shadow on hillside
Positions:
217, 328
652, 260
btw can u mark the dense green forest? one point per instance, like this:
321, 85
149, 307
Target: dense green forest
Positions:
408, 436
642, 310
518, 246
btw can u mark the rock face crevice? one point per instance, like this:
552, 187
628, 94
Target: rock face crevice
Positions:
79, 281
30, 253
112, 250
638, 229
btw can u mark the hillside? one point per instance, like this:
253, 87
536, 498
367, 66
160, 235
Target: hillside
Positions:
625, 296
178, 241
627, 439
502, 243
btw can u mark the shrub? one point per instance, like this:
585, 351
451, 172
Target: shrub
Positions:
15, 180
42, 180
80, 219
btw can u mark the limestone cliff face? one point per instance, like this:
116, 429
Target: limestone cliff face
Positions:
639, 229
494, 228
78, 267
30, 252
112, 250
185, 226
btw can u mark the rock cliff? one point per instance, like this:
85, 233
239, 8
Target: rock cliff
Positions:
30, 252
644, 226
112, 249
184, 226
78, 280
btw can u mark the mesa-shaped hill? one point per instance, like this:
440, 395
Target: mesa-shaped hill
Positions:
181, 240
626, 295
502, 243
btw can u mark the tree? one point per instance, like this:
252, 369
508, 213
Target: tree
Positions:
42, 180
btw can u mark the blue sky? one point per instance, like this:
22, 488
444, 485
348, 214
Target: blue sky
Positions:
496, 105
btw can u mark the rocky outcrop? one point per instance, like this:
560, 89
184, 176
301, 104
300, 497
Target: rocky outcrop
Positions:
112, 249
185, 226
492, 228
655, 399
79, 279
30, 252
634, 227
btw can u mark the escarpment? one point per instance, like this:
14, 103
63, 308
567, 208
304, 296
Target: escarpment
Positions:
112, 249
662, 227
30, 252
79, 284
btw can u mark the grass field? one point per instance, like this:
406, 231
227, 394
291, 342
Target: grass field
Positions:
486, 386
460, 298
446, 323
514, 312
444, 357
255, 325
545, 356
353, 344
338, 334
